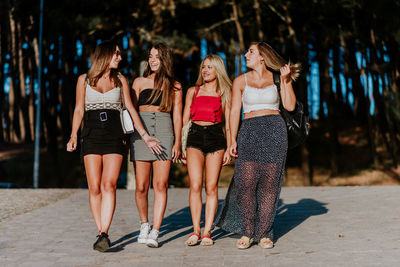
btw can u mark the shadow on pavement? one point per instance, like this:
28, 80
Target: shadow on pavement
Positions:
177, 221
289, 216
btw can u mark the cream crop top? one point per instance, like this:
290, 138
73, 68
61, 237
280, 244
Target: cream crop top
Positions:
108, 100
260, 98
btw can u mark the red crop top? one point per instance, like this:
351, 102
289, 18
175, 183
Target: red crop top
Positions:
206, 108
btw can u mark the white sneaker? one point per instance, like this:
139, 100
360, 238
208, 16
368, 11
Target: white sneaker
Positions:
144, 233
152, 239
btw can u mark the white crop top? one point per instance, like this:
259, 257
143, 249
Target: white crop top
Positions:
260, 98
108, 100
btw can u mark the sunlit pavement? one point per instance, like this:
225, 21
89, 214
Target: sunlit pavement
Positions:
315, 226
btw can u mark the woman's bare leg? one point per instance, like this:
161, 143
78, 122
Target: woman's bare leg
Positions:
195, 165
111, 168
213, 169
142, 175
160, 185
93, 167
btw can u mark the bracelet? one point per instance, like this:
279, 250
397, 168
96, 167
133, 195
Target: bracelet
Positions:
143, 134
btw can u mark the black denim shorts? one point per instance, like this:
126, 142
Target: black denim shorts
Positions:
207, 139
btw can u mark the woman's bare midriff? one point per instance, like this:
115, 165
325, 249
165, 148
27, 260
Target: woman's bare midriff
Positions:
258, 113
150, 108
205, 123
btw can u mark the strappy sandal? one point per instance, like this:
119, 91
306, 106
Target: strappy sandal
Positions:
244, 242
192, 240
266, 243
206, 241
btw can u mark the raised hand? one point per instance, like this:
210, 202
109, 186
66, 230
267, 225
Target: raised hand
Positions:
285, 72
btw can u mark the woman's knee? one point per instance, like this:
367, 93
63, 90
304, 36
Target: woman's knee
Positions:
160, 186
212, 190
95, 190
196, 187
108, 186
142, 188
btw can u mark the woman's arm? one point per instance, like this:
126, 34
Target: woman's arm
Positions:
188, 102
287, 92
236, 105
151, 142
177, 118
227, 156
78, 113
136, 90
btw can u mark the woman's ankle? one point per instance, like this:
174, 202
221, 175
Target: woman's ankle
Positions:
207, 233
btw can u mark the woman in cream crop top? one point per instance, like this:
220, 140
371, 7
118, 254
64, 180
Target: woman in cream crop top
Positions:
98, 101
110, 99
260, 146
260, 98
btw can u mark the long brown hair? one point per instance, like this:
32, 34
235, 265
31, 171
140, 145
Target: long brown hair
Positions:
274, 61
101, 61
224, 84
164, 80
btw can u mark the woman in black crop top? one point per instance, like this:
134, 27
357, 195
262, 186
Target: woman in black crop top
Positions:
158, 95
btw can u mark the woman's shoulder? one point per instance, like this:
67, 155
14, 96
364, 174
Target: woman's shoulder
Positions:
139, 82
192, 89
240, 80
82, 78
122, 77
177, 85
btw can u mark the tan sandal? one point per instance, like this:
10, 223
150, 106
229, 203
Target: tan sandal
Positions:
244, 242
206, 241
266, 243
192, 240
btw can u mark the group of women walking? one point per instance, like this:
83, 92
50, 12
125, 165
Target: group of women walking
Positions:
212, 109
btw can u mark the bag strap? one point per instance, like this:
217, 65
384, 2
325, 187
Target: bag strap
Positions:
277, 82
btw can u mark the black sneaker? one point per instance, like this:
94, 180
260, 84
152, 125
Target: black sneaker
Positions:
102, 243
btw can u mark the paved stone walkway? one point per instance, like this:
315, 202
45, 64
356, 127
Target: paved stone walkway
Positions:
316, 226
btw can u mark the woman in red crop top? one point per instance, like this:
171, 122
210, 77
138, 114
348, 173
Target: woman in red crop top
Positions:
205, 105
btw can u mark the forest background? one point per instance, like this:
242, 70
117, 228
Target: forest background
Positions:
349, 50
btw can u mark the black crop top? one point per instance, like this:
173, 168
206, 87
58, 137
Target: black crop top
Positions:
144, 98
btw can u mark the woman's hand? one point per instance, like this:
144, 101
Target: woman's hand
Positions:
153, 144
233, 150
227, 158
285, 73
72, 143
176, 152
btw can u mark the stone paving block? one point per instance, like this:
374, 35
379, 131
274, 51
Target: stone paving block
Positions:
315, 226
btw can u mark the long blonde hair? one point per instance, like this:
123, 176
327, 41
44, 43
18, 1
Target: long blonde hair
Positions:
224, 84
273, 61
100, 62
164, 80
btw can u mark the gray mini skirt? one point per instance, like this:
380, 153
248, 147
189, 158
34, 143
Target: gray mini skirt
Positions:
159, 125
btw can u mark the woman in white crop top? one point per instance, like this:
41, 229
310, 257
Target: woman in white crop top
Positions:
98, 102
261, 146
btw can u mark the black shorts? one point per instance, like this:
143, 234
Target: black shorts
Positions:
102, 133
207, 139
